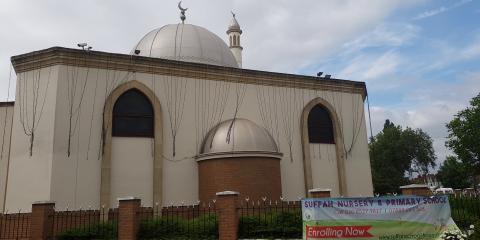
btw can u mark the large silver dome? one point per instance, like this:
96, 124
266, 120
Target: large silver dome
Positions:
245, 137
186, 42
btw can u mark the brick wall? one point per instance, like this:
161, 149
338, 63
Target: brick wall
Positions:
128, 218
228, 215
417, 191
319, 193
251, 177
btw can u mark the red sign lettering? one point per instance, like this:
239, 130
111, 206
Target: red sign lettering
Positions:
318, 232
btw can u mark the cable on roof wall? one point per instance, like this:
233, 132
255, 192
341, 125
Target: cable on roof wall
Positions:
211, 98
240, 90
267, 106
175, 89
112, 81
93, 113
356, 122
290, 110
31, 119
6, 113
74, 105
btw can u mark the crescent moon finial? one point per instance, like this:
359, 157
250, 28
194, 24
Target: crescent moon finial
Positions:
182, 11
180, 7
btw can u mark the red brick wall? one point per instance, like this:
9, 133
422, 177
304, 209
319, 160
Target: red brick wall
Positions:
252, 177
320, 194
128, 220
228, 217
42, 220
417, 191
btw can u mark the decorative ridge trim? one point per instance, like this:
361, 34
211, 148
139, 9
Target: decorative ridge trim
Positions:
125, 62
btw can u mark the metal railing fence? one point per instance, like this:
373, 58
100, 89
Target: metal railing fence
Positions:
179, 222
270, 219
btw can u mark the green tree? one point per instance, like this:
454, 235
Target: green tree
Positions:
464, 136
396, 152
452, 173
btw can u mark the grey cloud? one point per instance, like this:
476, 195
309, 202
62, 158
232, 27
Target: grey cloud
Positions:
278, 35
431, 108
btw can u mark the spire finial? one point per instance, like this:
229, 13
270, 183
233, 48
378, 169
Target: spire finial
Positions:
233, 14
182, 11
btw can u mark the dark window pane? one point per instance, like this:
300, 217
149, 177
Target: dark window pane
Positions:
133, 102
133, 115
320, 128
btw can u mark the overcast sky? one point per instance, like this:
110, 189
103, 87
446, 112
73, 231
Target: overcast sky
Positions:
420, 59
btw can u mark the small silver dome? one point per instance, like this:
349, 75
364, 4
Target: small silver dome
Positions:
186, 42
245, 137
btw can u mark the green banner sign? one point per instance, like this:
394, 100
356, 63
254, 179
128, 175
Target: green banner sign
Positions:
399, 217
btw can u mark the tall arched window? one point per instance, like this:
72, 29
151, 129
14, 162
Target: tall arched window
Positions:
133, 115
320, 127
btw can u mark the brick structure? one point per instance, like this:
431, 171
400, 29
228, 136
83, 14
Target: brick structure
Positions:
41, 224
227, 205
128, 219
319, 193
253, 177
416, 189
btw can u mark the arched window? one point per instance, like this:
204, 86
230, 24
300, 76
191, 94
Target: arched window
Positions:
133, 115
320, 127
234, 40
238, 40
230, 40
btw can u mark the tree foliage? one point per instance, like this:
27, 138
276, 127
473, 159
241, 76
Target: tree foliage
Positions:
464, 135
396, 152
453, 173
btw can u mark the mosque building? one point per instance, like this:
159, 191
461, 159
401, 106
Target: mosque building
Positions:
175, 121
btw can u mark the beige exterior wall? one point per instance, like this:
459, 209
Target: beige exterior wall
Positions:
29, 177
132, 172
6, 117
74, 180
357, 160
324, 166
